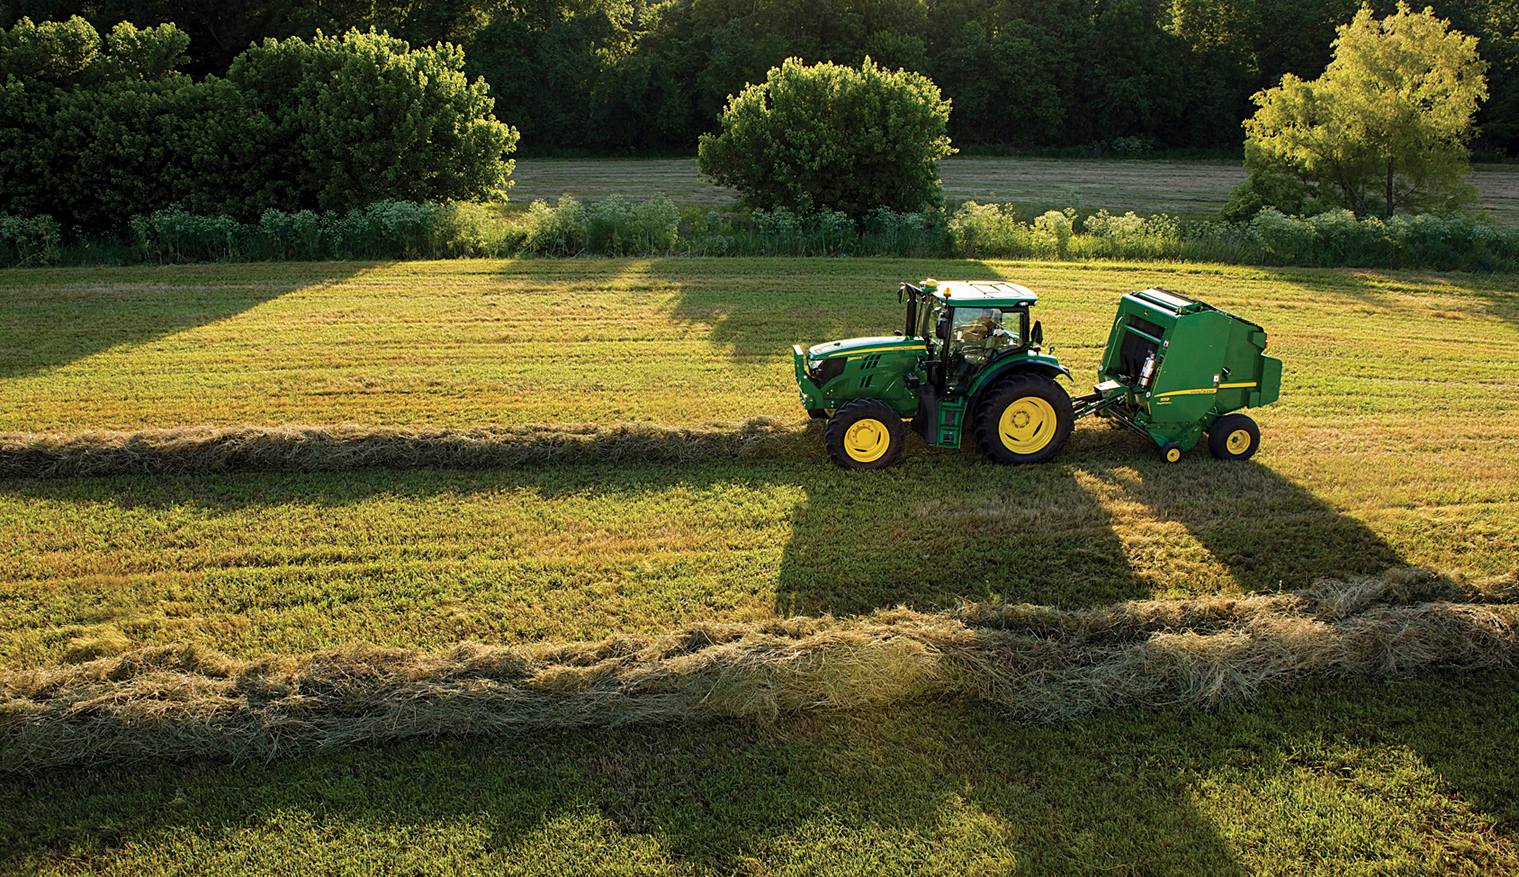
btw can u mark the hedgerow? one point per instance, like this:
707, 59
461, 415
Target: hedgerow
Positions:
395, 229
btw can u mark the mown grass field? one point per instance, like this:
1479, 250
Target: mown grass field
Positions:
1184, 188
1395, 443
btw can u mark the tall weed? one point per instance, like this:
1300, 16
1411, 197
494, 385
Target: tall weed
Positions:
29, 240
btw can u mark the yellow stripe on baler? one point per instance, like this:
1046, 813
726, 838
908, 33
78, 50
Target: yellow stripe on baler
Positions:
1204, 390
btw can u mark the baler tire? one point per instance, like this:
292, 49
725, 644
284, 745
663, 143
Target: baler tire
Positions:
1234, 437
864, 434
1026, 419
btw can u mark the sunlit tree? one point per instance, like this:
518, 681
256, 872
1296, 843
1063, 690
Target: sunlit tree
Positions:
1385, 128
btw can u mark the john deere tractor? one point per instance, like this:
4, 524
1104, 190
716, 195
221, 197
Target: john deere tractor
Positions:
969, 357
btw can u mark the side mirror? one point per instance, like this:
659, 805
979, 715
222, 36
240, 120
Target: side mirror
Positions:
1036, 334
941, 329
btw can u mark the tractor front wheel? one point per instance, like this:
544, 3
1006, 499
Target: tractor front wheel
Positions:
864, 434
1234, 437
1027, 419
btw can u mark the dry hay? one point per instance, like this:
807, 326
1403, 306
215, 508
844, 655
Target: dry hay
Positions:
1036, 663
206, 449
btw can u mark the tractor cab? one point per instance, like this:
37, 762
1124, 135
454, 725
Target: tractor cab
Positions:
967, 325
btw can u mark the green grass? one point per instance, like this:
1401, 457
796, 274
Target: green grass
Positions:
1396, 442
1409, 778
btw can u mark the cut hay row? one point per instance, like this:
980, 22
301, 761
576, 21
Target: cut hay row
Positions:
203, 450
1036, 664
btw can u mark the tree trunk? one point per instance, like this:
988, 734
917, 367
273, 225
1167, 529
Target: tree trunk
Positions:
1389, 188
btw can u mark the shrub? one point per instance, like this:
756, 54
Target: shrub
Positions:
1281, 239
1052, 234
29, 241
1130, 236
986, 230
915, 235
1341, 239
176, 235
294, 236
363, 118
557, 231
618, 227
827, 137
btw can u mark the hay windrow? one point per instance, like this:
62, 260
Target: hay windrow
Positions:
204, 450
1036, 663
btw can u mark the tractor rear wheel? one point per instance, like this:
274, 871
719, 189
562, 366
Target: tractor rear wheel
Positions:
864, 434
1026, 419
1234, 437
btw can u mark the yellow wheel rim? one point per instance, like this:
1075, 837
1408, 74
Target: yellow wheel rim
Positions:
1238, 442
866, 441
1173, 455
1027, 425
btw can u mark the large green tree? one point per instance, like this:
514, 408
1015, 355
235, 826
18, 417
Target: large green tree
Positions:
832, 137
1385, 128
94, 131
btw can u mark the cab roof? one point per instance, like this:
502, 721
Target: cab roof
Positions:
980, 293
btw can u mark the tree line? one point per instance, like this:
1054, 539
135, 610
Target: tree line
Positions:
630, 75
95, 129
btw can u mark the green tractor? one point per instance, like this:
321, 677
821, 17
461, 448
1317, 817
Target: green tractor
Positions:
970, 357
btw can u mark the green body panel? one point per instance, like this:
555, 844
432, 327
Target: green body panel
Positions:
1203, 363
1023, 360
860, 368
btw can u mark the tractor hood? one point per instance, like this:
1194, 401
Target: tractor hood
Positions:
861, 346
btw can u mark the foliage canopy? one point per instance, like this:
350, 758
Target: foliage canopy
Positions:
95, 131
828, 137
1385, 127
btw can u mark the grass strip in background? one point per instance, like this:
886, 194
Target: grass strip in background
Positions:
180, 702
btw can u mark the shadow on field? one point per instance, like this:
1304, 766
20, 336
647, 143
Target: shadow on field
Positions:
1354, 775
1084, 530
763, 316
1445, 296
940, 527
60, 319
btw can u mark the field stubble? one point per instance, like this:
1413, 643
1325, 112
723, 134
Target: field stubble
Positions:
1189, 189
1394, 445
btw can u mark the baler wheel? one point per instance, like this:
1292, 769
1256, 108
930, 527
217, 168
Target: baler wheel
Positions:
1026, 419
1234, 437
864, 434
1171, 453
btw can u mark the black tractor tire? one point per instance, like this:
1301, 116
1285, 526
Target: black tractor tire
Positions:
1025, 419
1234, 437
864, 434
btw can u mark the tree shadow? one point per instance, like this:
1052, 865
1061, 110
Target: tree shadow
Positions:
1451, 296
1394, 768
1261, 530
52, 317
945, 526
1082, 530
748, 316
947, 787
